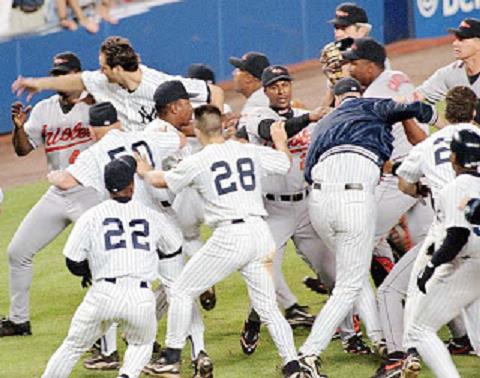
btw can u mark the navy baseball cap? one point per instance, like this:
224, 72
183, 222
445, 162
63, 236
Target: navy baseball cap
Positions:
118, 174
64, 63
366, 48
102, 114
272, 74
348, 14
202, 72
170, 91
345, 85
468, 28
253, 62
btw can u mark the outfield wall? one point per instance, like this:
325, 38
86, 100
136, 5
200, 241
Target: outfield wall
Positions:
171, 36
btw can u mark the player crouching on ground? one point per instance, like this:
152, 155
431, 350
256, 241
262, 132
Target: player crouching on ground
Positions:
227, 176
122, 266
451, 279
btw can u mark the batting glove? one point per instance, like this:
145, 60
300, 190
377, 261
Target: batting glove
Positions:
424, 276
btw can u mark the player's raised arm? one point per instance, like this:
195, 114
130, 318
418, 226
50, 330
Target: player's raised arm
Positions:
217, 96
279, 137
20, 141
64, 83
146, 172
414, 133
63, 180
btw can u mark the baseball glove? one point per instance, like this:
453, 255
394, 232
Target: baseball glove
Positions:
332, 60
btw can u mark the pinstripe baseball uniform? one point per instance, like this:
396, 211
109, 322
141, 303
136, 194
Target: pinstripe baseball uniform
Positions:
392, 203
64, 136
428, 159
136, 109
89, 168
454, 285
119, 240
227, 177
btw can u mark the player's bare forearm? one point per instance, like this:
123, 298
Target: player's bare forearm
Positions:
413, 132
407, 187
155, 178
20, 141
63, 180
64, 83
279, 138
217, 96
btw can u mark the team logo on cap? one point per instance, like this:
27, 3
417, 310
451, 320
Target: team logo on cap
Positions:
427, 8
58, 61
277, 70
341, 13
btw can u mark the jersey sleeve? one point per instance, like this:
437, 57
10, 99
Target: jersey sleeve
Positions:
451, 198
250, 119
410, 169
79, 243
86, 170
33, 127
182, 175
165, 144
273, 162
95, 82
435, 88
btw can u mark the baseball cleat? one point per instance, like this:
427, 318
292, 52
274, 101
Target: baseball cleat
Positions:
203, 366
208, 299
162, 368
356, 345
9, 328
316, 285
292, 370
411, 366
460, 346
391, 367
311, 365
380, 349
250, 336
298, 316
101, 362
157, 352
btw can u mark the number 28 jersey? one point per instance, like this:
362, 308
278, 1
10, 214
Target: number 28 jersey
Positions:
228, 177
431, 158
121, 240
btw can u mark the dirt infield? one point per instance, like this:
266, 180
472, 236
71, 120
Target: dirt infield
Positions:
418, 59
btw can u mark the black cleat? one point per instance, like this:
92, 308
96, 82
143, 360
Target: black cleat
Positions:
311, 365
250, 336
9, 328
292, 370
101, 362
460, 346
298, 316
391, 367
203, 366
316, 285
356, 345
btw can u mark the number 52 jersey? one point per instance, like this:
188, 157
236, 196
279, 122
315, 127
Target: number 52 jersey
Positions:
228, 177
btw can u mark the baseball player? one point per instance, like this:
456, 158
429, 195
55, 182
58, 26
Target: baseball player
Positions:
464, 71
124, 82
287, 195
451, 279
119, 244
60, 124
226, 174
113, 142
367, 58
428, 159
343, 164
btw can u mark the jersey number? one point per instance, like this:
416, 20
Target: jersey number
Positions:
441, 153
141, 147
223, 181
114, 236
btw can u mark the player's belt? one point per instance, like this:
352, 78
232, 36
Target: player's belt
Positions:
287, 197
318, 186
143, 284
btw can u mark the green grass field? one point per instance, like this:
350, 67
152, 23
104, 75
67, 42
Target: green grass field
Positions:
56, 294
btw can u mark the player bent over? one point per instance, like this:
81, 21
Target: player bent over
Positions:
227, 176
118, 243
451, 279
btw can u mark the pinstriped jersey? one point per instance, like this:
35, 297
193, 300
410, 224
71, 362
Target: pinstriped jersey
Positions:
228, 178
155, 146
63, 135
293, 181
391, 84
121, 239
435, 88
431, 158
451, 214
136, 109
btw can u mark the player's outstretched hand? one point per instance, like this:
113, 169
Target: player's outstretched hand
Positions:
318, 113
143, 166
19, 113
424, 277
278, 133
28, 84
